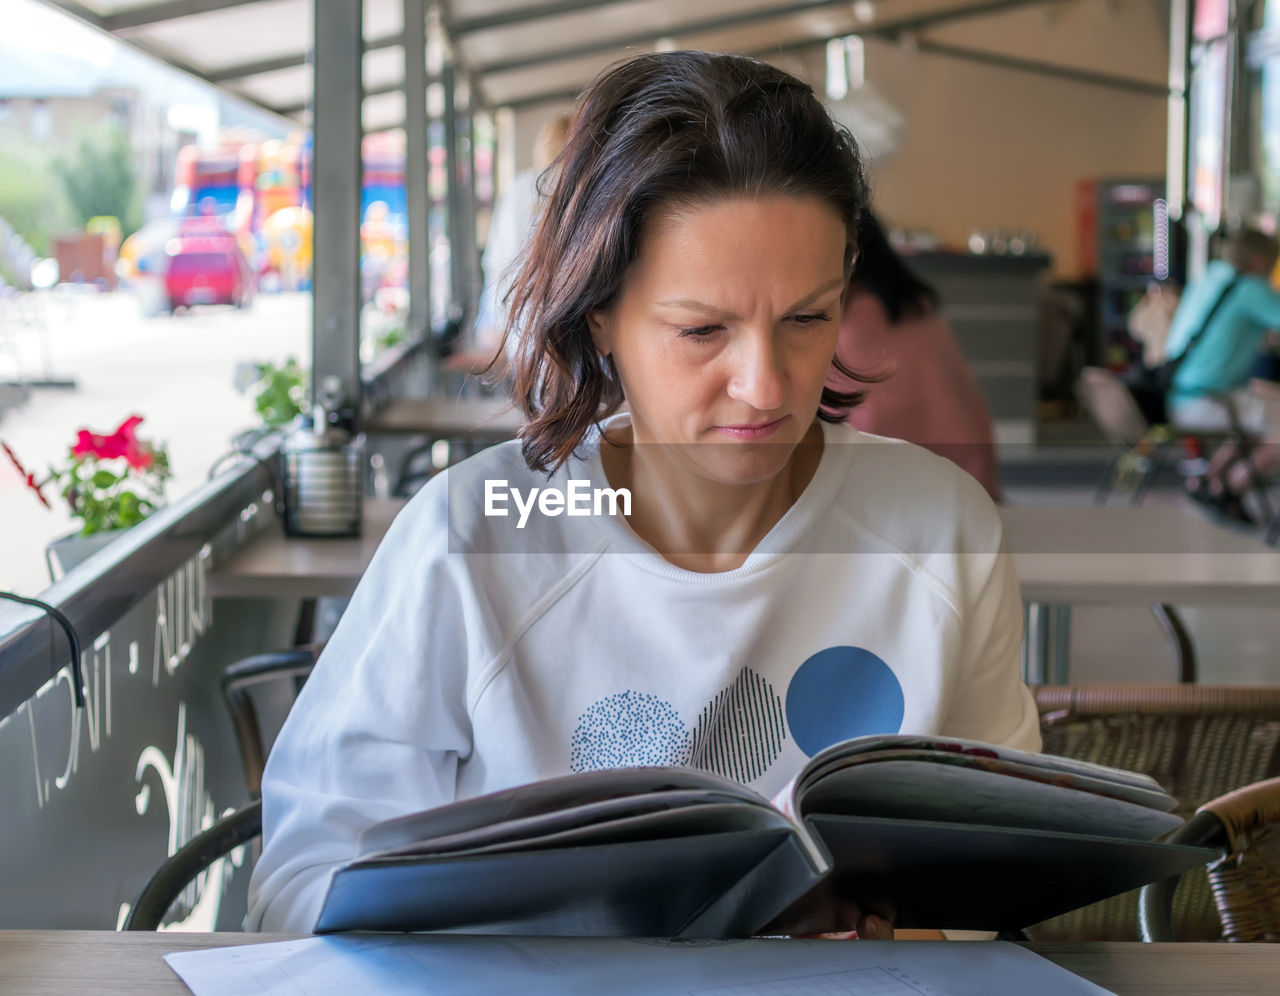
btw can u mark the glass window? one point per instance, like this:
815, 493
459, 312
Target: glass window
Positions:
1263, 99
1208, 127
1210, 72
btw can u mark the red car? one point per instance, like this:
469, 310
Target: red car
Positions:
207, 271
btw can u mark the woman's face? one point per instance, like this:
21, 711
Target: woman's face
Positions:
725, 329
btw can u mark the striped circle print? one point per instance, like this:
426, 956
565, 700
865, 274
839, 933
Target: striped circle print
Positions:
740, 732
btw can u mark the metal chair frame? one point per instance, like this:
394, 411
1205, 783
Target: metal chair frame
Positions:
197, 854
239, 679
242, 826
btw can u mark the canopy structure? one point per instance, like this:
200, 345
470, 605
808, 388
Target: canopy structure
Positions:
343, 67
516, 52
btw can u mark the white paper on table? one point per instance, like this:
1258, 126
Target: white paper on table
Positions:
471, 965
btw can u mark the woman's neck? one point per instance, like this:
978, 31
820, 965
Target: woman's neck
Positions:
694, 522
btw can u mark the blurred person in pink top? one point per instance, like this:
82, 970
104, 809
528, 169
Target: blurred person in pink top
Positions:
892, 326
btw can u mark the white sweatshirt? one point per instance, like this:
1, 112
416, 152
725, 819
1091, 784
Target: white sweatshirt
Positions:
476, 655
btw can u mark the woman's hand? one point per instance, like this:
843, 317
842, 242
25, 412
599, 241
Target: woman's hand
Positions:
866, 926
870, 928
816, 913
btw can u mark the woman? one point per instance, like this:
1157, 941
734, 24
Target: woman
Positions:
892, 324
691, 263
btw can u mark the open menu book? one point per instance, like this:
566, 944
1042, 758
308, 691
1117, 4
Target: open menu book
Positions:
947, 833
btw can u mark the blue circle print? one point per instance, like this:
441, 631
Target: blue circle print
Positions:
839, 693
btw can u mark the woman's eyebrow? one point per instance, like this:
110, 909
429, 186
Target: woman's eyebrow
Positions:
714, 312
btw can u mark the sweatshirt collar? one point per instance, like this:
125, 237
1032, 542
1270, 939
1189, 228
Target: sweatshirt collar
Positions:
819, 493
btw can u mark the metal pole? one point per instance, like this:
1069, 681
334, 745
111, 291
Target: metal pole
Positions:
1178, 134
416, 166
457, 241
336, 178
1033, 656
467, 194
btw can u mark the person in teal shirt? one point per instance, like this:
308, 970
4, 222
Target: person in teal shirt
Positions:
1235, 296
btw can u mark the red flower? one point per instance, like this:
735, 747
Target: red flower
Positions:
121, 443
91, 444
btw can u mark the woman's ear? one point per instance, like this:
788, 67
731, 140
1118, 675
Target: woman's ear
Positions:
598, 322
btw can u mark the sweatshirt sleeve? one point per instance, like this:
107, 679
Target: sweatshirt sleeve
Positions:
379, 727
989, 700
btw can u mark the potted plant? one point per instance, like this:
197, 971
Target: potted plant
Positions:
109, 482
280, 392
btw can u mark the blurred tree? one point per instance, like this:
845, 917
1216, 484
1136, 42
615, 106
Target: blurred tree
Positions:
100, 179
31, 199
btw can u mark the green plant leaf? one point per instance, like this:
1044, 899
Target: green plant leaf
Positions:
281, 392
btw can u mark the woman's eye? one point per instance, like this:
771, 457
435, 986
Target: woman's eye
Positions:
698, 332
811, 319
705, 331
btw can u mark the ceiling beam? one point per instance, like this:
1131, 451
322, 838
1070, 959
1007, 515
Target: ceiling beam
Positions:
170, 60
89, 17
1039, 68
157, 13
531, 12
964, 12
914, 22
546, 97
373, 91
80, 11
895, 29
651, 35
242, 70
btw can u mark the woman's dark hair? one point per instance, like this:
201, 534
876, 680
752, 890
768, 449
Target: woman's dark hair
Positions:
661, 130
882, 272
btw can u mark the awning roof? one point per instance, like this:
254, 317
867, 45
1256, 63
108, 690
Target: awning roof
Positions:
515, 52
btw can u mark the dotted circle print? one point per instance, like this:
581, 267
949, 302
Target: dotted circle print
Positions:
629, 728
842, 692
740, 732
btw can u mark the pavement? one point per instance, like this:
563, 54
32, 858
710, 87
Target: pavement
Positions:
175, 371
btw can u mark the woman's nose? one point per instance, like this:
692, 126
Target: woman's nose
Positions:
757, 377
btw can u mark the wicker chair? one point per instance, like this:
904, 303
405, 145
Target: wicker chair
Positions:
1199, 741
1245, 881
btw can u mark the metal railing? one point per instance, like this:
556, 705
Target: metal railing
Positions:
105, 587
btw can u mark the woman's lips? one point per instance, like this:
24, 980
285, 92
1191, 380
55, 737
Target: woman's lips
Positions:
751, 432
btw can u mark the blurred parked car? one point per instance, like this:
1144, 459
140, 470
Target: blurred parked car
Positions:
207, 270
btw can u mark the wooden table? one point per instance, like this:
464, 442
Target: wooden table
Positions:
1069, 555
1137, 555
469, 418
1151, 554
39, 962
273, 565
